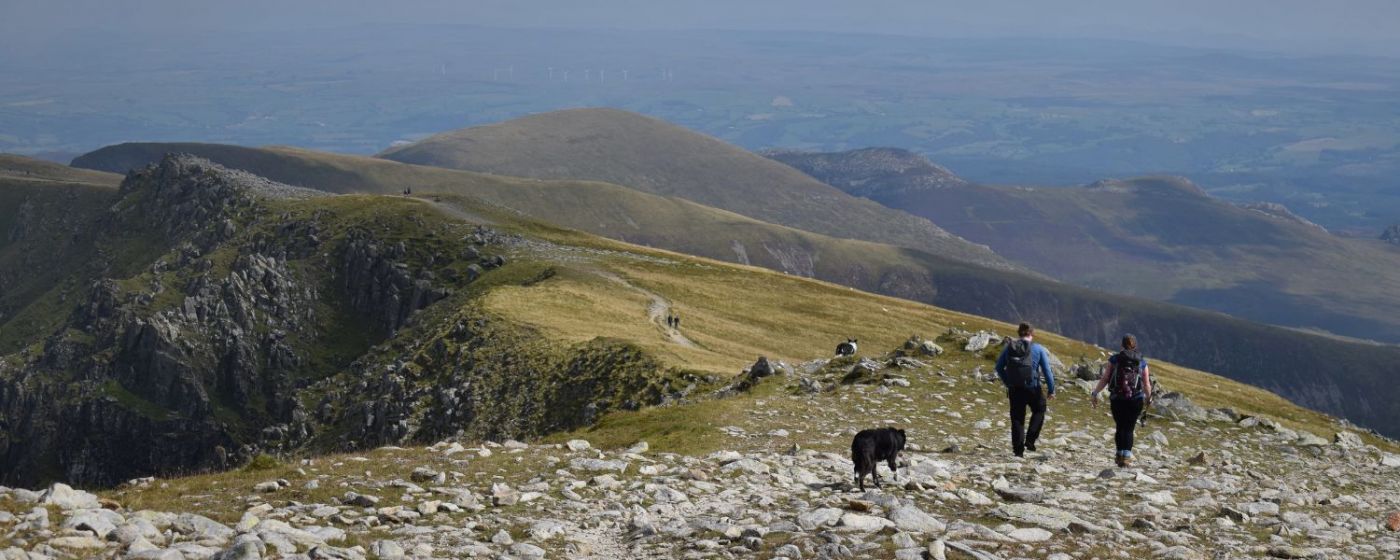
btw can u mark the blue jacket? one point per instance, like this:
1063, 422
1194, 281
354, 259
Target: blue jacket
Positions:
1040, 362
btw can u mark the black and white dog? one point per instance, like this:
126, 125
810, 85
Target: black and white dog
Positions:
847, 348
872, 446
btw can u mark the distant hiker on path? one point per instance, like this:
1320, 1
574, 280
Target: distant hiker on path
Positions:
670, 321
1130, 390
1020, 367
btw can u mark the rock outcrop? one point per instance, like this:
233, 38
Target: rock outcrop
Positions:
225, 316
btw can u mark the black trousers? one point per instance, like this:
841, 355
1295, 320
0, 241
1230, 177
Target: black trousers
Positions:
1022, 398
1125, 417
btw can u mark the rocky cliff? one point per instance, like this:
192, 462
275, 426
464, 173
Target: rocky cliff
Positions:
224, 315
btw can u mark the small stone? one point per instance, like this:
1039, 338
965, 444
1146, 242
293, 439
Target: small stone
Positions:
502, 538
579, 445
423, 474
359, 500
1392, 521
267, 487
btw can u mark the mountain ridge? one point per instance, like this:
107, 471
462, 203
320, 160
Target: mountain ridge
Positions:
654, 156
1163, 238
1281, 360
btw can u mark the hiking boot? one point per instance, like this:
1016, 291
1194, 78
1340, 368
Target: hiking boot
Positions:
1030, 447
1118, 460
1127, 461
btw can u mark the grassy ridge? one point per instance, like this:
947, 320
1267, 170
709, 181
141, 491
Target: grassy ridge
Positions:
1320, 372
657, 157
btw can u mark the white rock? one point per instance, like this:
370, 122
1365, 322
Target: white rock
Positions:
1030, 534
65, 497
1161, 498
863, 523
579, 445
817, 518
909, 518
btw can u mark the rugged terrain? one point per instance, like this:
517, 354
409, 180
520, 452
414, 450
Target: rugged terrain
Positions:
1326, 373
760, 470
200, 316
291, 325
1157, 237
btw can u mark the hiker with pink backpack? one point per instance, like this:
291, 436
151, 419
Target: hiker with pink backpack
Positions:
1130, 391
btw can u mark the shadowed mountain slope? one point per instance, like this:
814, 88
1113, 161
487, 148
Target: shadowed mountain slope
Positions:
1156, 237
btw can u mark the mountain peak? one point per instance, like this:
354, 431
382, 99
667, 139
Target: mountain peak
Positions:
653, 156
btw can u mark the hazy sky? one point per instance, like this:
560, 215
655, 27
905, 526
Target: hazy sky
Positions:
1345, 26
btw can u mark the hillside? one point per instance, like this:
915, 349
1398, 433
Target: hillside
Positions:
657, 157
1332, 375
527, 330
1156, 237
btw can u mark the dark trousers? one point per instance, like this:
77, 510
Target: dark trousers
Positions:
1125, 417
1021, 434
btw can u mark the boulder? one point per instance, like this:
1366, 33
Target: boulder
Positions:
66, 497
862, 523
761, 368
1177, 406
1348, 440
979, 342
579, 445
906, 517
99, 522
818, 518
1023, 495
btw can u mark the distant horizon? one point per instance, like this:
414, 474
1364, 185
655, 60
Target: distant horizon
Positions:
1358, 27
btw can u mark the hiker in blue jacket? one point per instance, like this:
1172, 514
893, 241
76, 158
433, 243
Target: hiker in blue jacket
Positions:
1021, 365
1130, 391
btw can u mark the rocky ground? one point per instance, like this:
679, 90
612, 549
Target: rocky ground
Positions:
1207, 484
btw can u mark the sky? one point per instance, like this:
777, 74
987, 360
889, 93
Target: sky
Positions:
1368, 27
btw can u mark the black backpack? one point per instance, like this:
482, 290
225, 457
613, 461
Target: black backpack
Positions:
1126, 382
1020, 363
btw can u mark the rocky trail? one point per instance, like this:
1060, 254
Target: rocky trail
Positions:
1208, 484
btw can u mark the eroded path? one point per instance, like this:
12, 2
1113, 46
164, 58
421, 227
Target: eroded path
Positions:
657, 310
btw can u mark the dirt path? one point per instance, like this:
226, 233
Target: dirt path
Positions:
454, 211
657, 309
